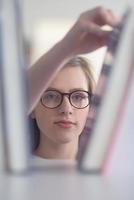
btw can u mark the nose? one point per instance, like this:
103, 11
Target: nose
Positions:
66, 108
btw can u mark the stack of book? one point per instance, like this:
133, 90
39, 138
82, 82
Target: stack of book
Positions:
109, 115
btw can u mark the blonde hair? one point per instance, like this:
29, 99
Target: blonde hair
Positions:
84, 63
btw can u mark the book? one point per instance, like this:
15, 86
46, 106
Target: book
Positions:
16, 130
109, 93
119, 158
1, 105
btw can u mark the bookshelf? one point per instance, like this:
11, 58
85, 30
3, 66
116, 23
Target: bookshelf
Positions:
60, 180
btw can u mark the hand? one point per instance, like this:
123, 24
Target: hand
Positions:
87, 34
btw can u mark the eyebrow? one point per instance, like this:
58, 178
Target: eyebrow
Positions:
71, 90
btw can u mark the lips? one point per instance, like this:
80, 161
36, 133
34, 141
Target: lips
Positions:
65, 124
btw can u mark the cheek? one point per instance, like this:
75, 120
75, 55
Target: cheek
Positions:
82, 117
44, 120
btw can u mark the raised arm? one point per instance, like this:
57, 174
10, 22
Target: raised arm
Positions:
85, 36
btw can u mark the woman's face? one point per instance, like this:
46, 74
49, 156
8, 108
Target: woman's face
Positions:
65, 123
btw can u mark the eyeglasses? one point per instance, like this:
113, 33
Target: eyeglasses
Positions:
78, 99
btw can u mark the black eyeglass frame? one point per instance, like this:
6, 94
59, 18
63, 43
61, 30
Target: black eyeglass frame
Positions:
69, 97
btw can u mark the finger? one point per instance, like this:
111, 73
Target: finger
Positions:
102, 16
115, 20
95, 29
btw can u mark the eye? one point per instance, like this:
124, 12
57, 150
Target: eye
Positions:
79, 96
51, 95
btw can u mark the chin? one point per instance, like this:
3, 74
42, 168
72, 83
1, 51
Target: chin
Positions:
64, 139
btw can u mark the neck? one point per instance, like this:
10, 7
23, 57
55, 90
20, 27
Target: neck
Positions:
51, 150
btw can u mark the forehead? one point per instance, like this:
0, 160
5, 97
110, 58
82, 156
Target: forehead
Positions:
69, 78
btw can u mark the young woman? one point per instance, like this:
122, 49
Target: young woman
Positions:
60, 89
61, 113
